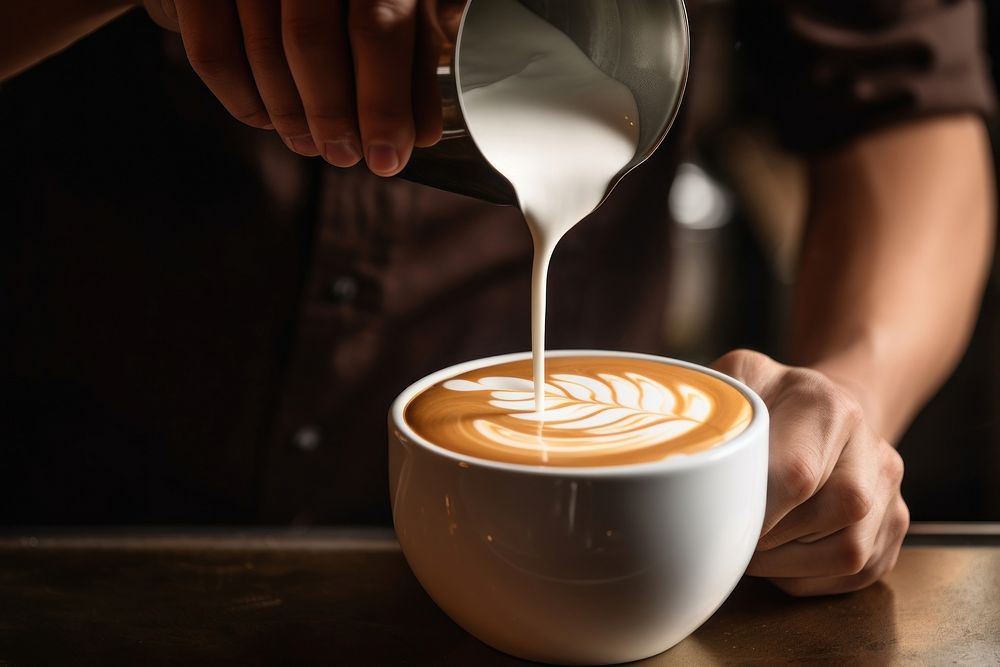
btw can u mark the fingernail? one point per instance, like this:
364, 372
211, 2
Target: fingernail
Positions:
342, 152
302, 144
382, 158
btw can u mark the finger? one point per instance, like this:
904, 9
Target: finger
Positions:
427, 117
315, 39
260, 21
807, 438
882, 562
845, 499
163, 13
446, 17
382, 42
812, 421
214, 46
843, 553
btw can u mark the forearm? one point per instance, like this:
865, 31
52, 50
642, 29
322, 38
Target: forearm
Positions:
894, 261
32, 30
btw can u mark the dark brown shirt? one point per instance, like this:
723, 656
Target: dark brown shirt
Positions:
197, 326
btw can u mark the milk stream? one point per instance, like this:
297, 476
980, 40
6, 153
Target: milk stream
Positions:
551, 122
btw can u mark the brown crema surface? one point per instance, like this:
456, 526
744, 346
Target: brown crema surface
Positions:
599, 411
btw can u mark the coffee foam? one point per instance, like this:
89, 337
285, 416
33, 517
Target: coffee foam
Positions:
598, 411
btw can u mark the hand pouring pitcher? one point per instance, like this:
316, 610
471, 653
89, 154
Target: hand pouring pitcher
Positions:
645, 44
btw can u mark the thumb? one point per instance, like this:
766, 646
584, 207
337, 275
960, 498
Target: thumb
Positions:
753, 369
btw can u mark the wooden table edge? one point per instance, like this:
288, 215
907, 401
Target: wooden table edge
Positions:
348, 538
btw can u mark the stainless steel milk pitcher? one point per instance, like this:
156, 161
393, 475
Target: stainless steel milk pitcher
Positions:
645, 44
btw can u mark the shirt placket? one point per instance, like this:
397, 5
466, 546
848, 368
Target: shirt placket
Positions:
335, 344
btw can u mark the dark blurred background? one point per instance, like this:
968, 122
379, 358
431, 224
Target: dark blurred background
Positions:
738, 202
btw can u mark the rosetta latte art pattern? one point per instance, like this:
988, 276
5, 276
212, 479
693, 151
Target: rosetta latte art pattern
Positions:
646, 411
609, 412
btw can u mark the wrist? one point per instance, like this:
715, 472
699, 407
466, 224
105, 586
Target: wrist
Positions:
857, 369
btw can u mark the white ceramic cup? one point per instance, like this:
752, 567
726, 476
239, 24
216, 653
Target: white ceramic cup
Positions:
589, 565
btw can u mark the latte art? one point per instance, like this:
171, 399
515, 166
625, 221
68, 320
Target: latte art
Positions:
597, 411
605, 413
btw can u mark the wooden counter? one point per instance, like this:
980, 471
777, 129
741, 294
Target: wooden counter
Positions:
348, 598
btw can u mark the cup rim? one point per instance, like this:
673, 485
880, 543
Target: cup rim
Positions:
677, 462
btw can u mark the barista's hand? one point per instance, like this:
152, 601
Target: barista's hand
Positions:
835, 518
345, 79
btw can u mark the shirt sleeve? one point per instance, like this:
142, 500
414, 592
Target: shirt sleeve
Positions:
826, 71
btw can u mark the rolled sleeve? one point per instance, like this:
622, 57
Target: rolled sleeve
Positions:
827, 71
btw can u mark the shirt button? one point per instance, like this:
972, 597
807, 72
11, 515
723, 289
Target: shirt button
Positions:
342, 290
307, 439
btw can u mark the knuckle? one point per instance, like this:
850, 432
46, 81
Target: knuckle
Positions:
866, 578
377, 116
735, 357
806, 380
891, 563
425, 137
378, 17
335, 120
769, 541
794, 587
740, 360
427, 121
882, 566
289, 121
385, 120
209, 61
254, 117
894, 466
304, 35
287, 116
856, 502
262, 47
836, 413
900, 519
801, 478
839, 404
851, 557
811, 388
850, 409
